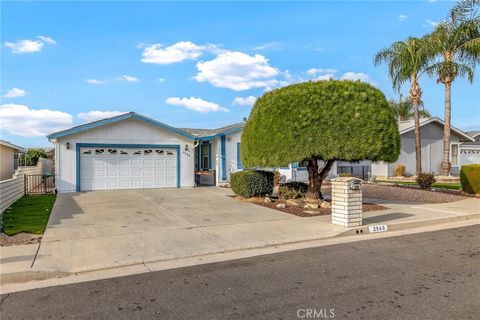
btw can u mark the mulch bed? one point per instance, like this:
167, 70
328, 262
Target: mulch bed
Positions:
298, 210
19, 239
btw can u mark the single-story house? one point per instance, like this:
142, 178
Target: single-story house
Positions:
131, 151
9, 154
431, 132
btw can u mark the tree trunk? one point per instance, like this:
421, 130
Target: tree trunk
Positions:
445, 165
315, 179
415, 95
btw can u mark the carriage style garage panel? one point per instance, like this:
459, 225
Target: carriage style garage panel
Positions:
119, 167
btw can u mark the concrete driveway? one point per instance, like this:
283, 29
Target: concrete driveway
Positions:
104, 229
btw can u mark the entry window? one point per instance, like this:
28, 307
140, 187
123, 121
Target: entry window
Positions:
205, 157
454, 151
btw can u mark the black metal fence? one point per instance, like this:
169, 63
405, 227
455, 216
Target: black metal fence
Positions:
360, 172
39, 183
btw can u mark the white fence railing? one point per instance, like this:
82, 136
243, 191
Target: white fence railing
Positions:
11, 190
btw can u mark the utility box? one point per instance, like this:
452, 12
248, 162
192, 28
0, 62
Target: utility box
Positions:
347, 201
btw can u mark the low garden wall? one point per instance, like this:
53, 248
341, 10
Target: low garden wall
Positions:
11, 190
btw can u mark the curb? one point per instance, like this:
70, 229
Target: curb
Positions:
27, 275
409, 225
30, 275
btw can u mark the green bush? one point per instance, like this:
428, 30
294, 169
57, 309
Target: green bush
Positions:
251, 183
425, 180
30, 158
292, 190
470, 178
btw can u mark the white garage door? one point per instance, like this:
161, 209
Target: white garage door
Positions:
127, 168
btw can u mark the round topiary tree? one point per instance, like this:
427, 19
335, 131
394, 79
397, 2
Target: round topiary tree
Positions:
323, 120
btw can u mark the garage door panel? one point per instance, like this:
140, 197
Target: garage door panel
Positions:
114, 168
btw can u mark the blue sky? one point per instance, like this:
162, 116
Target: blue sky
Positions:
195, 64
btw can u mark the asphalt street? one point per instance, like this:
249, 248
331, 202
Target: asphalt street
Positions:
433, 275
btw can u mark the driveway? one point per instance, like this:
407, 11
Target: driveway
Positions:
104, 229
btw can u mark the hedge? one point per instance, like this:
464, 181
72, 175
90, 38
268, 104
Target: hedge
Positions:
470, 178
251, 183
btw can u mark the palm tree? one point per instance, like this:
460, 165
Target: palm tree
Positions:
403, 109
457, 42
407, 61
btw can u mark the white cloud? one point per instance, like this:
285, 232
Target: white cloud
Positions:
431, 23
29, 46
15, 93
269, 46
161, 80
128, 78
195, 104
326, 76
25, 46
402, 17
177, 52
237, 71
91, 116
47, 40
244, 101
20, 120
354, 76
95, 81
316, 71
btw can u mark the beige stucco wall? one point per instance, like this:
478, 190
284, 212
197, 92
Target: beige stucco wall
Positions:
6, 163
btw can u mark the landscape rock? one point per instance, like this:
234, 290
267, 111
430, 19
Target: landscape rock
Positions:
326, 205
310, 212
311, 205
267, 200
281, 206
292, 203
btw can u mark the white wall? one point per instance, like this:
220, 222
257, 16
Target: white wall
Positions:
129, 131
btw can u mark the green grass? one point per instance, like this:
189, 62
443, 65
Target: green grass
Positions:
29, 214
452, 186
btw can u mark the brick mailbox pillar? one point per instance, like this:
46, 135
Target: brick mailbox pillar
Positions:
347, 201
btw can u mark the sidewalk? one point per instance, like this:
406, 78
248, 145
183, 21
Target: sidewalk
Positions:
117, 252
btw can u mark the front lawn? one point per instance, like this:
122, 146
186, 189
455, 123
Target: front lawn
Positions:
29, 214
452, 186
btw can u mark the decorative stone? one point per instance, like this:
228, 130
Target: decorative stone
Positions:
311, 205
281, 206
326, 205
310, 212
292, 203
267, 200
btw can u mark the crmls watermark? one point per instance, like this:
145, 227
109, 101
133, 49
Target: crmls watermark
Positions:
313, 313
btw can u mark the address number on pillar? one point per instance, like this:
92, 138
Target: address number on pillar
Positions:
379, 228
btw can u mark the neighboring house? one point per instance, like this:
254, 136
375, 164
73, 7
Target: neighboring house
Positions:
431, 132
470, 151
8, 159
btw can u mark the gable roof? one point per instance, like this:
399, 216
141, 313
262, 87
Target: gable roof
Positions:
409, 125
473, 134
205, 134
129, 115
11, 145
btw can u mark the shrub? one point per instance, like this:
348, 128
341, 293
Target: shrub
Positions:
425, 180
345, 174
251, 183
400, 170
292, 190
470, 178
